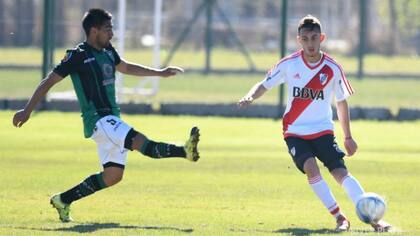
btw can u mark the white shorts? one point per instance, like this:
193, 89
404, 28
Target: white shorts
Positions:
109, 135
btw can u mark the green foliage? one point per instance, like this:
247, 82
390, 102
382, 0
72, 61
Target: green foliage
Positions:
244, 184
407, 14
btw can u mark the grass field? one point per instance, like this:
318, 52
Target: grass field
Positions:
191, 87
222, 58
245, 183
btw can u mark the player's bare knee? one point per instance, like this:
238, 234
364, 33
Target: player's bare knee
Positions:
112, 179
339, 174
311, 168
117, 179
138, 141
134, 140
112, 175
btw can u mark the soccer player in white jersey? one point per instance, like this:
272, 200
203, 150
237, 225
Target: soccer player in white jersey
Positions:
312, 79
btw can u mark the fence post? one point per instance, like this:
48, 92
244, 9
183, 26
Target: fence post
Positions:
47, 43
47, 38
209, 43
283, 38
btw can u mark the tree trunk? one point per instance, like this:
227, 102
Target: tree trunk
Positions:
393, 29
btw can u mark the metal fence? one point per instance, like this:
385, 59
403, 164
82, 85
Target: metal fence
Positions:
392, 27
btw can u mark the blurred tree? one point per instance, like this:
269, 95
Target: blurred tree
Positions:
404, 25
24, 16
392, 44
271, 10
248, 10
2, 28
60, 29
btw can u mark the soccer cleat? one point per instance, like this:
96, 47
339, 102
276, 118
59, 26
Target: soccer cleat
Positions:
190, 146
342, 224
62, 208
381, 226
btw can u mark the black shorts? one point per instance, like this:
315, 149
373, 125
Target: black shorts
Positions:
324, 148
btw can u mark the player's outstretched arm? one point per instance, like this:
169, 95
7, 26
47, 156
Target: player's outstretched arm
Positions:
256, 91
140, 70
44, 86
344, 118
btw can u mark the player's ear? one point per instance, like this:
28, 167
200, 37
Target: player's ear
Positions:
322, 37
93, 31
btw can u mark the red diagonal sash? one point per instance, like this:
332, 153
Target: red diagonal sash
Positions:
298, 104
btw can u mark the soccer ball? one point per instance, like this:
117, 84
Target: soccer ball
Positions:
370, 208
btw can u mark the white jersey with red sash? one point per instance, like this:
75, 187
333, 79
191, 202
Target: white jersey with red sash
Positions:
310, 90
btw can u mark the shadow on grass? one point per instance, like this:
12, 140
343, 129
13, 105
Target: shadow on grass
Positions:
92, 227
303, 231
290, 231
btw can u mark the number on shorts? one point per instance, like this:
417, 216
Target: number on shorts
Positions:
111, 121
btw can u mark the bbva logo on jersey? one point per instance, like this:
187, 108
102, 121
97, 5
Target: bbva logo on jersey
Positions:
308, 93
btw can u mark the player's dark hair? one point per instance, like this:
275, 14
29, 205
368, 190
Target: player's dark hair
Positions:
95, 17
309, 22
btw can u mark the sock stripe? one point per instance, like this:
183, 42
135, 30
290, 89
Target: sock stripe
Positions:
315, 179
335, 211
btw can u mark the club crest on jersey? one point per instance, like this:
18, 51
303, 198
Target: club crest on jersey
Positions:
308, 93
293, 151
107, 70
323, 78
67, 56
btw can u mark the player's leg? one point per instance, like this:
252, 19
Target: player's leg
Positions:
350, 184
112, 175
322, 190
354, 190
112, 155
138, 141
303, 157
61, 202
332, 157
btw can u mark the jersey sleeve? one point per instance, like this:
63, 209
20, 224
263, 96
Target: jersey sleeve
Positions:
275, 76
67, 65
116, 56
342, 87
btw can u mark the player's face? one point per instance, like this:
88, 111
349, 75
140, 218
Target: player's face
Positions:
104, 34
310, 41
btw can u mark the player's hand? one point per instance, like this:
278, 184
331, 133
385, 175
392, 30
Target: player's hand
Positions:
20, 118
245, 101
350, 145
170, 71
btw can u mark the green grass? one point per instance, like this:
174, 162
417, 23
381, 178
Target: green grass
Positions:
222, 58
227, 89
245, 183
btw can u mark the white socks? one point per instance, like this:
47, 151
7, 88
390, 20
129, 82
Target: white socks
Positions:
321, 189
353, 188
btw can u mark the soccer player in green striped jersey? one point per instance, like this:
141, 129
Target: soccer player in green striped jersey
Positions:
92, 66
